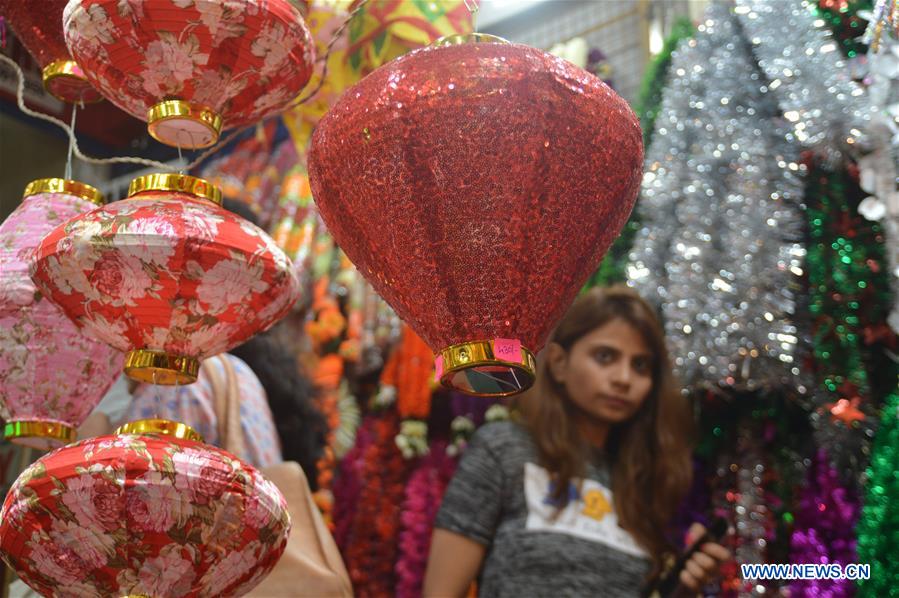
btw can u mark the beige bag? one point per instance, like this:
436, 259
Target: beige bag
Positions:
311, 565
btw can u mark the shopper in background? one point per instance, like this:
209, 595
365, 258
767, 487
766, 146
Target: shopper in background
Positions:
575, 495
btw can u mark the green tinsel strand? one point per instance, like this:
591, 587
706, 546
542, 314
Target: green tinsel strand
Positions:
849, 297
878, 529
845, 23
649, 100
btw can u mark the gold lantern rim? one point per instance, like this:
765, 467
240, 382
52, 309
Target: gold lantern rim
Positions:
473, 368
160, 367
20, 429
68, 71
170, 112
72, 187
162, 427
458, 39
180, 183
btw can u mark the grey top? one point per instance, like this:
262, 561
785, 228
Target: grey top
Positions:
501, 498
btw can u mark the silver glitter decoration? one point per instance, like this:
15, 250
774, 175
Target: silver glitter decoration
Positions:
752, 515
720, 249
807, 73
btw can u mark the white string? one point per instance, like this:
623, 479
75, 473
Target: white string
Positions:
71, 142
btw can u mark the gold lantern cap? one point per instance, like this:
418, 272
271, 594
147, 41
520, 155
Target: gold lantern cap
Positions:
65, 80
458, 39
159, 367
475, 368
180, 183
42, 435
162, 427
181, 124
76, 188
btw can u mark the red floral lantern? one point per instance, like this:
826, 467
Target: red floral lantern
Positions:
150, 511
187, 67
477, 186
167, 275
38, 24
51, 374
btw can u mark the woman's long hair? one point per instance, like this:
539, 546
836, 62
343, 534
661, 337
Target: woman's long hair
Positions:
301, 427
649, 453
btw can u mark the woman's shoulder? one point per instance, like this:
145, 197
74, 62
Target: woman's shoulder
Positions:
503, 436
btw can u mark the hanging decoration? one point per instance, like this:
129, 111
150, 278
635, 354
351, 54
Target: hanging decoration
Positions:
380, 32
884, 23
190, 69
719, 249
38, 24
878, 528
51, 374
166, 275
149, 511
455, 236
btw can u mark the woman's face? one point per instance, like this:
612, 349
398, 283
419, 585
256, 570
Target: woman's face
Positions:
607, 373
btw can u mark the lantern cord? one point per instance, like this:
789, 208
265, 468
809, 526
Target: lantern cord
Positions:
71, 142
474, 8
324, 59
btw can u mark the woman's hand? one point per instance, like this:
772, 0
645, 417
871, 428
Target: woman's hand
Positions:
704, 564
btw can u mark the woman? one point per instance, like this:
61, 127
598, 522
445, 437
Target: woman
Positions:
530, 510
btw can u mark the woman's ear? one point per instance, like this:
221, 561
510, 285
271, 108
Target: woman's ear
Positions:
557, 362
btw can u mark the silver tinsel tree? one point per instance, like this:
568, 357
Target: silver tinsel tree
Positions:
719, 250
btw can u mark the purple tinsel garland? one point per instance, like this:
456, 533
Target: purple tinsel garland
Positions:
824, 531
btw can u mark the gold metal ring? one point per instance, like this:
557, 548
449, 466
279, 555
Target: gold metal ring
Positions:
168, 110
39, 429
76, 188
180, 183
474, 368
163, 427
74, 81
458, 39
159, 367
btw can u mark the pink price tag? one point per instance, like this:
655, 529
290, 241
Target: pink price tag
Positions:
438, 368
507, 349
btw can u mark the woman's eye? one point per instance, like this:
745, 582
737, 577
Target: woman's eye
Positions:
641, 366
603, 356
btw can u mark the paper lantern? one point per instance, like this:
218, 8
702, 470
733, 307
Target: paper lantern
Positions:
149, 511
476, 186
190, 68
51, 375
167, 275
38, 24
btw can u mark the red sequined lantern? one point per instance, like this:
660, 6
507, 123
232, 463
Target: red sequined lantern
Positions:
477, 186
187, 67
149, 511
38, 24
52, 375
167, 275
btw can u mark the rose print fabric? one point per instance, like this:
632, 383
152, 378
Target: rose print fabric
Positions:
244, 59
49, 370
146, 515
167, 272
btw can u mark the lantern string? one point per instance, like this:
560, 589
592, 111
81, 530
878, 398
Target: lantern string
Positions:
324, 59
71, 142
474, 8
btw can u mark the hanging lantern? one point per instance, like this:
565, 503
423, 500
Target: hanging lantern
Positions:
477, 186
167, 275
149, 511
190, 68
51, 375
38, 25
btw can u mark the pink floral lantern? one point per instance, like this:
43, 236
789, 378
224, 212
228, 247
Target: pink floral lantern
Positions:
149, 511
167, 275
191, 67
51, 374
